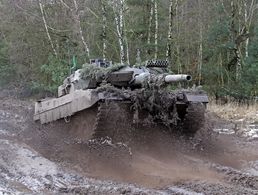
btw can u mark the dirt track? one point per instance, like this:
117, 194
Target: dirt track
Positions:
50, 159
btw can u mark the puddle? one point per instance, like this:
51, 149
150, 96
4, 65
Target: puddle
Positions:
224, 131
6, 132
177, 190
251, 167
3, 132
249, 131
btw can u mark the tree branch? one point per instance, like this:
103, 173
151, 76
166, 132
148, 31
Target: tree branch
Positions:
46, 27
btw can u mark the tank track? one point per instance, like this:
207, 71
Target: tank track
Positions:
114, 121
112, 132
194, 119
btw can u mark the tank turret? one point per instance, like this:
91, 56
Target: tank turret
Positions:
93, 75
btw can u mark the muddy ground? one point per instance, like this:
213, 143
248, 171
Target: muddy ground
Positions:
50, 159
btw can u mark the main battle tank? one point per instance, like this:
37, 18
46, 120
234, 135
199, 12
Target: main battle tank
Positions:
120, 101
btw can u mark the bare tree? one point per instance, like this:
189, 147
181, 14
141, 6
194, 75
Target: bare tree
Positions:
200, 56
177, 53
46, 27
150, 21
172, 12
156, 28
118, 7
119, 30
76, 16
78, 20
249, 13
240, 31
104, 28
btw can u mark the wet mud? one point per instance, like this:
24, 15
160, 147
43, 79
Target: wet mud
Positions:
56, 158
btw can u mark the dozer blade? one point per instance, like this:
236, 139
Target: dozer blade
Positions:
53, 109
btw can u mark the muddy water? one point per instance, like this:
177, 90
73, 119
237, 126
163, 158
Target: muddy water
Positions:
249, 130
34, 159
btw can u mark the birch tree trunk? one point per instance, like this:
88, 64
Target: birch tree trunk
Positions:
120, 39
46, 27
240, 35
200, 44
178, 58
173, 5
221, 70
150, 25
156, 28
127, 50
76, 17
238, 49
78, 20
234, 35
248, 21
119, 9
170, 28
150, 21
138, 56
104, 29
122, 20
200, 64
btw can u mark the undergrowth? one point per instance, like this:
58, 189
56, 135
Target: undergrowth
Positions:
233, 111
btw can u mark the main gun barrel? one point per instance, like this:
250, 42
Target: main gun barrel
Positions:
177, 78
146, 76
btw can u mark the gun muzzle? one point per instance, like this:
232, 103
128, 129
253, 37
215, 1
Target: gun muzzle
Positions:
177, 78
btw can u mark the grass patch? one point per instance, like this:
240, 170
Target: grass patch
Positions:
233, 111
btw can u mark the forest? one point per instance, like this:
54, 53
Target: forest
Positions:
216, 41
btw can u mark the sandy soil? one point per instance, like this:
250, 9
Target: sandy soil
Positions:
52, 159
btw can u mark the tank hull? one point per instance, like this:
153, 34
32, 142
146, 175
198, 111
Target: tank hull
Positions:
181, 111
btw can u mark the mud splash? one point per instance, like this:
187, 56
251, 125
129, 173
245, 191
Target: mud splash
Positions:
48, 159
